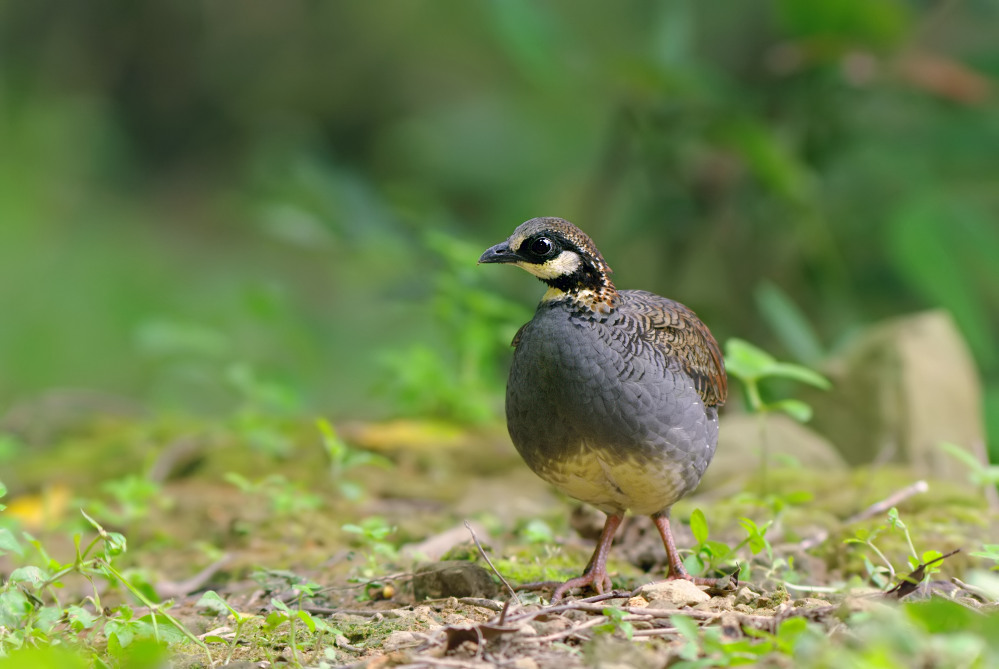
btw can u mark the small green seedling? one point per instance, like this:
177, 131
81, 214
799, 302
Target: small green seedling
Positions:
283, 613
925, 564
32, 612
616, 623
752, 365
979, 473
717, 651
989, 552
343, 458
286, 498
372, 534
709, 556
212, 600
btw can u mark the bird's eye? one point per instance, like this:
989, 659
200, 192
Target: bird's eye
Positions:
542, 246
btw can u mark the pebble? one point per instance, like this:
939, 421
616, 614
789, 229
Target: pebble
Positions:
673, 594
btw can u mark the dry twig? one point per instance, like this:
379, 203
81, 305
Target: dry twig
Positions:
485, 557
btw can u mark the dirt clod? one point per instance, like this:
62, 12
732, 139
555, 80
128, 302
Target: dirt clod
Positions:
452, 579
673, 594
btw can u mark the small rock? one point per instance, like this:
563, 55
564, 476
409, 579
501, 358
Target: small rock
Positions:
673, 594
745, 596
638, 602
401, 639
554, 626
525, 663
526, 630
452, 579
811, 603
855, 603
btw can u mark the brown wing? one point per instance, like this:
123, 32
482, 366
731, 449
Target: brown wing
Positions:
681, 335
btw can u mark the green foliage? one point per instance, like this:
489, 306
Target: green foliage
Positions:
707, 555
616, 623
132, 499
43, 658
979, 473
752, 366
789, 323
372, 536
708, 648
286, 498
989, 552
263, 408
343, 458
459, 378
884, 574
282, 614
537, 531
280, 626
32, 615
710, 556
776, 135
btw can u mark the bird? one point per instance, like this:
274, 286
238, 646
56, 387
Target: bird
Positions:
613, 395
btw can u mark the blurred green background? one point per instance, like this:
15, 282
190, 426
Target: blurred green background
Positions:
202, 203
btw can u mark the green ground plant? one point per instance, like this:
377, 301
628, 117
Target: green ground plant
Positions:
616, 623
34, 615
709, 556
371, 536
457, 376
286, 498
707, 647
343, 458
884, 574
755, 368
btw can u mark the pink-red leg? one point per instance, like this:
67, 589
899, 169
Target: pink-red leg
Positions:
595, 574
676, 568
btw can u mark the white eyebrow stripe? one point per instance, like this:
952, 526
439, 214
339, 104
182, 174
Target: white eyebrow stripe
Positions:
564, 264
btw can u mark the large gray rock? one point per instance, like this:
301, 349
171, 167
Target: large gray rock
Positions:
741, 447
901, 389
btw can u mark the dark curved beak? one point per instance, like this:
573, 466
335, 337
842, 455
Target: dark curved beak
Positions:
500, 253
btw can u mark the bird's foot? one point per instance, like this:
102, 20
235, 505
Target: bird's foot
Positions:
599, 583
598, 580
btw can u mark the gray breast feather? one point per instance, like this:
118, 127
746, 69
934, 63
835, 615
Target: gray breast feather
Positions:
583, 388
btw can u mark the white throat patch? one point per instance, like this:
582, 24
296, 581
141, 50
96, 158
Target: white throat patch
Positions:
563, 264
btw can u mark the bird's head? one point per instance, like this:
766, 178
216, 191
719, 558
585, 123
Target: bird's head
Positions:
563, 257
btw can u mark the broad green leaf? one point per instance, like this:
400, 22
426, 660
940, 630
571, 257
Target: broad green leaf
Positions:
9, 543
745, 361
28, 575
796, 409
789, 370
789, 323
51, 657
306, 618
212, 600
80, 618
699, 526
688, 629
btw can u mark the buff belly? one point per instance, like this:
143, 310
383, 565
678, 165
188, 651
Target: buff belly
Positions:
614, 485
